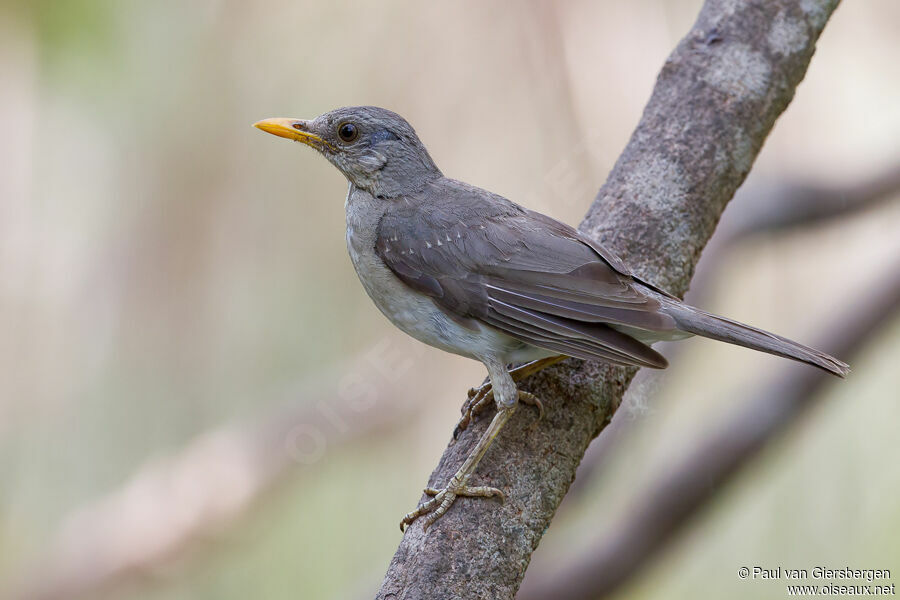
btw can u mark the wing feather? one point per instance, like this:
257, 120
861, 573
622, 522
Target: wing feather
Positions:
479, 256
591, 337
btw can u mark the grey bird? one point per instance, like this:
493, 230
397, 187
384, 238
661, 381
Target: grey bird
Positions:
472, 273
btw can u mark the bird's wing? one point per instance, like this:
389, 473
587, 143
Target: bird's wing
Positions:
478, 255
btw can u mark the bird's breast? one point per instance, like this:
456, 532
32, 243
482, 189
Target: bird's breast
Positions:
412, 312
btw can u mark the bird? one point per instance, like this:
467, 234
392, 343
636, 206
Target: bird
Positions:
472, 273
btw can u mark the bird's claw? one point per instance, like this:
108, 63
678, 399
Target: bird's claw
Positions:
479, 399
441, 499
532, 400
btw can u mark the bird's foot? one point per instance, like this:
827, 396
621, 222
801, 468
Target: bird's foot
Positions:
457, 486
482, 397
441, 499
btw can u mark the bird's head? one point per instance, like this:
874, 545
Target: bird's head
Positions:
376, 149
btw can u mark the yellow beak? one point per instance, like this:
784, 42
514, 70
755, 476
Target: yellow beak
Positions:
292, 129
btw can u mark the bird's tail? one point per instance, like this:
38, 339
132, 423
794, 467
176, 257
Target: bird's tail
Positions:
693, 320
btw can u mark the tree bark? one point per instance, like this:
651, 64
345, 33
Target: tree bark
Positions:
715, 101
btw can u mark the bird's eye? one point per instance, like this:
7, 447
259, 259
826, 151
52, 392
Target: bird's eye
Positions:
348, 132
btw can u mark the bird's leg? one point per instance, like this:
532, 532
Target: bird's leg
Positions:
507, 402
441, 499
480, 398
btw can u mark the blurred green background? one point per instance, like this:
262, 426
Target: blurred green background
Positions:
185, 347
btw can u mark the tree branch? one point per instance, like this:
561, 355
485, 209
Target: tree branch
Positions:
715, 101
773, 206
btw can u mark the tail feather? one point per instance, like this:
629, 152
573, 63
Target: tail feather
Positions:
693, 320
